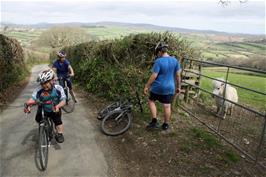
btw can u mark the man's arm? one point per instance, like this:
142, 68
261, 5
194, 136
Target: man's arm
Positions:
54, 66
178, 82
71, 70
54, 69
150, 81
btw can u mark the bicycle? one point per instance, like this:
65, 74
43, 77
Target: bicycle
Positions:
70, 103
108, 109
117, 117
46, 134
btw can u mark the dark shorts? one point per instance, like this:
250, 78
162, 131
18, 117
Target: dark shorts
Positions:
55, 116
165, 99
68, 82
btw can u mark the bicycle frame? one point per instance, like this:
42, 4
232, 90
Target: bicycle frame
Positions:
70, 98
47, 123
63, 83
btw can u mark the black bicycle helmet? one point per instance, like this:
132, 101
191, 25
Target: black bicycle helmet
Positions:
161, 46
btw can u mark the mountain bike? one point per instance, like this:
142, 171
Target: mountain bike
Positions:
46, 134
70, 103
117, 117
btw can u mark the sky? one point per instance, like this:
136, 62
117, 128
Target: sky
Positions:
236, 17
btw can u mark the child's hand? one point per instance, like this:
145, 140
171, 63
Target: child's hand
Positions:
56, 108
26, 108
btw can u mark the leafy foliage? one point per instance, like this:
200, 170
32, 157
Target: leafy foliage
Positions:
12, 65
119, 67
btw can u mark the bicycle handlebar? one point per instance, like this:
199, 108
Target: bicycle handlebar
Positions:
38, 102
124, 102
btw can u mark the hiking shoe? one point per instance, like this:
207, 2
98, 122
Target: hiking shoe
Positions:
165, 126
153, 124
59, 137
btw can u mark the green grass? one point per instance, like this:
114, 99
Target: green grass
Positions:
198, 138
111, 32
209, 139
254, 48
24, 37
245, 79
230, 156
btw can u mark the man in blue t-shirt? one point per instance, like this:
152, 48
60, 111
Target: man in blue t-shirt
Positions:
64, 71
165, 73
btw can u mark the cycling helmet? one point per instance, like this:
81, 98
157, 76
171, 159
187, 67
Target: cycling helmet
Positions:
45, 76
160, 46
61, 54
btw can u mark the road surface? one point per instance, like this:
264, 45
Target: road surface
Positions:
79, 155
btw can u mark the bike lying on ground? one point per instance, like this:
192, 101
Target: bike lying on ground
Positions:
117, 117
46, 134
70, 100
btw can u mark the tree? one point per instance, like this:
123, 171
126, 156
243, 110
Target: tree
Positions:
58, 37
5, 28
227, 2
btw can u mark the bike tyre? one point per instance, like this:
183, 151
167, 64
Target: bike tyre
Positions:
43, 147
127, 116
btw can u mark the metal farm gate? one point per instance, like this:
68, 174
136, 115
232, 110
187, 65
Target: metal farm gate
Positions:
245, 128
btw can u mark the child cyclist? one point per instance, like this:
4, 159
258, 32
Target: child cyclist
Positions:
49, 92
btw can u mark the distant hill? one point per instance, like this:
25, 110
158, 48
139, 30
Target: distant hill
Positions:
120, 24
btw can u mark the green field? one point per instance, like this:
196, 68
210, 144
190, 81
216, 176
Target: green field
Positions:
213, 47
25, 37
111, 32
243, 78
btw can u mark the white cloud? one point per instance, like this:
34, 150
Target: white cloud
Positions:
184, 14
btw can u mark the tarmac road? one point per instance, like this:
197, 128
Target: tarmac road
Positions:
79, 155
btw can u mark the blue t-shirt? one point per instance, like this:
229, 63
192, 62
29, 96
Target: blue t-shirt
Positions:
61, 68
166, 68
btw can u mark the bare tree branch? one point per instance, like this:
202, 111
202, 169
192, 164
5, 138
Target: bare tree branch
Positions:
227, 2
58, 37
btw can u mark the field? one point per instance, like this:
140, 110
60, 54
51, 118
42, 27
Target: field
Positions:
112, 32
235, 50
25, 37
215, 47
243, 78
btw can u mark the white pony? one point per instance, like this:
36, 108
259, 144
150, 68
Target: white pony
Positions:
230, 94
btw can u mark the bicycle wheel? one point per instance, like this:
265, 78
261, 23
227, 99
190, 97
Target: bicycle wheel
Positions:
107, 110
116, 123
50, 130
43, 147
70, 103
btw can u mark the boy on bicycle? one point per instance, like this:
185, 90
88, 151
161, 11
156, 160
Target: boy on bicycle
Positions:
50, 93
64, 70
